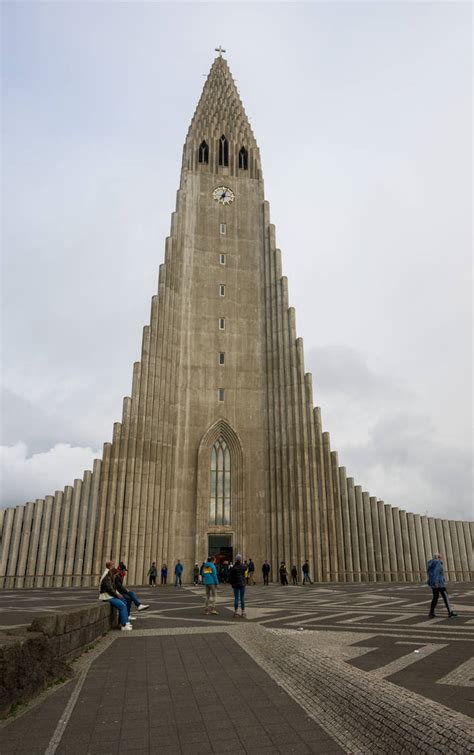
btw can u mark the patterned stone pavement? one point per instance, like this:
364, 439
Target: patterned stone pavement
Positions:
324, 668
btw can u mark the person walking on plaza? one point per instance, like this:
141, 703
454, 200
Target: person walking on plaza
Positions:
209, 577
152, 574
164, 574
294, 574
437, 582
283, 574
196, 574
127, 595
237, 581
251, 568
265, 572
178, 573
108, 592
305, 570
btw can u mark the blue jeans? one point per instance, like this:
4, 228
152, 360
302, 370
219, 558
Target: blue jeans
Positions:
121, 606
239, 591
129, 598
177, 580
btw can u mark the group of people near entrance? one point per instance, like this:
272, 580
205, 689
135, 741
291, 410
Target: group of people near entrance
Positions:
238, 575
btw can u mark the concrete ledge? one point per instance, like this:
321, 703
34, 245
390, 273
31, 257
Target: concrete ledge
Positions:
35, 656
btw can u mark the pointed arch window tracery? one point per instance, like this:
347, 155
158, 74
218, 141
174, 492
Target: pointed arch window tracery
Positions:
203, 153
223, 151
243, 159
219, 508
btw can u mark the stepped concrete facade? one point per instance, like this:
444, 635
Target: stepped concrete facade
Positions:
220, 447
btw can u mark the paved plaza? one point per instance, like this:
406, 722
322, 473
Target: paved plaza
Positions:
324, 668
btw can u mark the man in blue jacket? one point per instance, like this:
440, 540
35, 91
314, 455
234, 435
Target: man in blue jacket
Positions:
437, 583
209, 577
178, 573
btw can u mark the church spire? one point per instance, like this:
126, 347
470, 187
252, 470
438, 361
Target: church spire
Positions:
219, 116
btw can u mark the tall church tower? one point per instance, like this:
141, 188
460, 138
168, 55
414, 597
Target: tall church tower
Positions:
220, 448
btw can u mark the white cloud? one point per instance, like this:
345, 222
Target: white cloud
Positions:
26, 478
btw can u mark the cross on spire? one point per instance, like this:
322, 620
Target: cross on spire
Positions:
220, 50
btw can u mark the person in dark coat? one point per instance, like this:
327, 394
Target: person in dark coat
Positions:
294, 574
437, 582
283, 574
237, 581
152, 574
265, 572
127, 595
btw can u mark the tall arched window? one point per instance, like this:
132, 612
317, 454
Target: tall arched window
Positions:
219, 509
203, 155
223, 151
243, 159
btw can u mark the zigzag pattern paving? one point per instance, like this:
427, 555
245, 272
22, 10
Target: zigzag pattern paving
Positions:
302, 647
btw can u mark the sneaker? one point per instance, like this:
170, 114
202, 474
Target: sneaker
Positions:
431, 616
236, 615
126, 628
142, 607
243, 615
214, 611
131, 618
453, 615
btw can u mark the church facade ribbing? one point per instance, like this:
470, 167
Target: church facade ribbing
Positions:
220, 447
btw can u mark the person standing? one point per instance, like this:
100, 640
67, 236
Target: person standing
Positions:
294, 574
283, 574
209, 576
437, 582
237, 581
152, 574
164, 574
305, 570
196, 574
265, 572
251, 568
178, 573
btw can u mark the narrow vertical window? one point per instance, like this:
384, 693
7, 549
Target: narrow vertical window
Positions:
221, 357
221, 323
223, 229
243, 159
203, 153
221, 394
222, 259
221, 289
223, 151
220, 492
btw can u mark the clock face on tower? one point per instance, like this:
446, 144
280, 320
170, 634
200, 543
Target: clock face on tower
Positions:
223, 195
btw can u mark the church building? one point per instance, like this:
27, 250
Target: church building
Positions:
220, 449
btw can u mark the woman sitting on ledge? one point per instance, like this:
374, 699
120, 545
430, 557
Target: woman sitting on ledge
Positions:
108, 592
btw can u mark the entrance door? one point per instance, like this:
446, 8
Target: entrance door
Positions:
220, 546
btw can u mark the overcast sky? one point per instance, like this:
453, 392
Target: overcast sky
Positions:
363, 116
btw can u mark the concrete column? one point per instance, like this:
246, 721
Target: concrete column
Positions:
448, 553
326, 566
59, 569
369, 536
53, 539
406, 546
82, 528
392, 548
413, 547
24, 536
117, 543
99, 540
13, 554
72, 533
381, 508
379, 576
7, 529
330, 507
361, 532
88, 578
112, 494
397, 528
458, 565
346, 526
338, 517
469, 550
313, 500
462, 551
43, 541
435, 546
34, 543
354, 529
426, 539
134, 485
